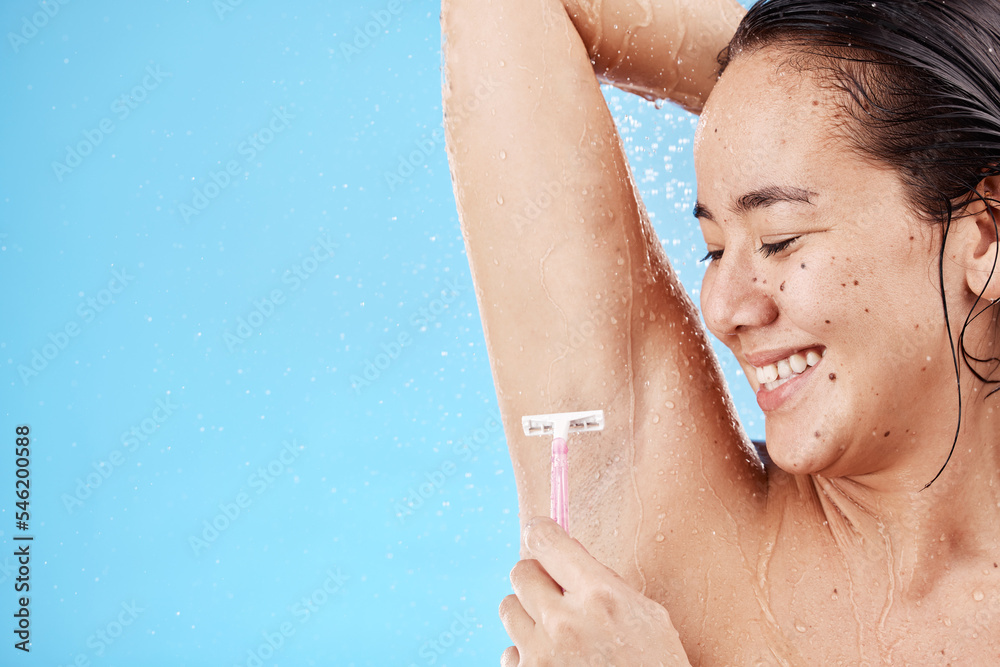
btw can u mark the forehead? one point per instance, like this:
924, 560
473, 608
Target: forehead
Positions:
766, 120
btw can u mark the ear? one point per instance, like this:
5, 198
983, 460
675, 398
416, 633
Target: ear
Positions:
981, 224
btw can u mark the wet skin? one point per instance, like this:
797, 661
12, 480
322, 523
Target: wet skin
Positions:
832, 556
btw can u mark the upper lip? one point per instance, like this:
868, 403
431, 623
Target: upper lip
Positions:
762, 358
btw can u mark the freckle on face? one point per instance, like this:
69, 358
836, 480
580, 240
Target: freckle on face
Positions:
782, 288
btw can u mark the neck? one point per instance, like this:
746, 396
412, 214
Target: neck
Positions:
924, 534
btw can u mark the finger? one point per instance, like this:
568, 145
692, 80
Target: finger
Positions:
534, 588
516, 621
510, 657
564, 559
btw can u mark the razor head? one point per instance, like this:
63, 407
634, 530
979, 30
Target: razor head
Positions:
578, 422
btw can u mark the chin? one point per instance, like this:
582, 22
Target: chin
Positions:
801, 450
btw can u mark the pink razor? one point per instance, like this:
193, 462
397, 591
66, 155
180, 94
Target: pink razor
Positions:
560, 425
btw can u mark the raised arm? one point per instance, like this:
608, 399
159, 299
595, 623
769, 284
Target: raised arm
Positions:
660, 49
581, 309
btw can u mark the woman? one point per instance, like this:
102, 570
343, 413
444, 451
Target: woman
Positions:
846, 160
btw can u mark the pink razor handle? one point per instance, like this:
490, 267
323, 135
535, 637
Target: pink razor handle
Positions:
559, 425
559, 507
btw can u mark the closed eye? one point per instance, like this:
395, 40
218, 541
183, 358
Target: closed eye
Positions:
712, 256
770, 249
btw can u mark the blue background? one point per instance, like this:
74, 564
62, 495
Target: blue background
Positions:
196, 328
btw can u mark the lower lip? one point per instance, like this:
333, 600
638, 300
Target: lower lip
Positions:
770, 400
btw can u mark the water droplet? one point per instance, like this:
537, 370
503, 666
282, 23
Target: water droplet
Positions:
500, 199
670, 405
978, 596
621, 260
503, 155
503, 64
656, 419
660, 537
800, 627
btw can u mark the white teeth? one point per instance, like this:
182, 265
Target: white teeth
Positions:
775, 375
797, 362
770, 373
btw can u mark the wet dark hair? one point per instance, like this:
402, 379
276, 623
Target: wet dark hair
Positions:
919, 84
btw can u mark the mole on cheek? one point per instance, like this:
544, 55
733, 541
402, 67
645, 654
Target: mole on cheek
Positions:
816, 434
803, 265
782, 288
827, 321
833, 377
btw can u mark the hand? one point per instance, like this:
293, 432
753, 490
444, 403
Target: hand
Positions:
568, 609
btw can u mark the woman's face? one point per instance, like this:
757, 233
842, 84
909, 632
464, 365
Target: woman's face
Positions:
824, 283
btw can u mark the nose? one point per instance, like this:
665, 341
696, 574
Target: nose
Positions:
735, 298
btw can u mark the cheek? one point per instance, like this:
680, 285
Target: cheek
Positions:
827, 291
815, 293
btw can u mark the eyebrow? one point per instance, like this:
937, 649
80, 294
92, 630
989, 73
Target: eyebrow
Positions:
760, 198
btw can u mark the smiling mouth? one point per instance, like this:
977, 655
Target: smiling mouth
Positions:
774, 375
